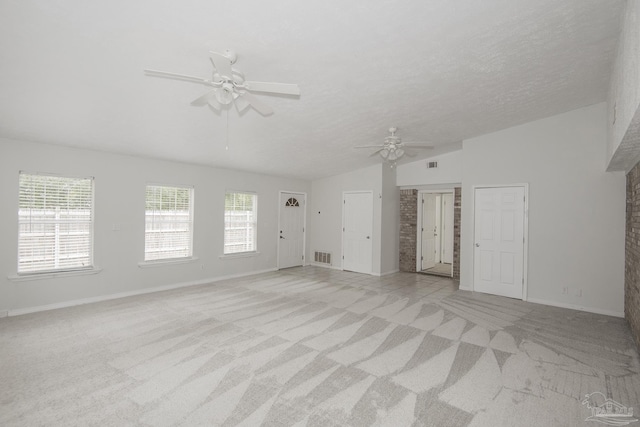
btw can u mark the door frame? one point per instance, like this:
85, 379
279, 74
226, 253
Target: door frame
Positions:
419, 224
344, 193
304, 227
525, 244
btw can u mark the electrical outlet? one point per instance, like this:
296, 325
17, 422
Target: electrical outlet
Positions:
565, 290
579, 293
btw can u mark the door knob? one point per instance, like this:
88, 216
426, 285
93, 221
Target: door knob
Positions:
477, 245
368, 237
281, 237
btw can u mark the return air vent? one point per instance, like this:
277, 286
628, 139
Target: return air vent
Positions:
432, 165
322, 257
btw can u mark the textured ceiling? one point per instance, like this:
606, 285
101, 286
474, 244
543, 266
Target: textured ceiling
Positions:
440, 70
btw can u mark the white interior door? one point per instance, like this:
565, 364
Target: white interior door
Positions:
428, 231
447, 228
291, 227
499, 241
357, 232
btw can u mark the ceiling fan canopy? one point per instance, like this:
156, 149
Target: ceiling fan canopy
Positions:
393, 148
229, 85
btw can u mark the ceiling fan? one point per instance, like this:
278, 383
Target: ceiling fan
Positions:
229, 85
393, 148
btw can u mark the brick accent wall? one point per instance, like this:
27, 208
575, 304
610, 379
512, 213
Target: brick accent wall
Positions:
632, 254
457, 220
408, 224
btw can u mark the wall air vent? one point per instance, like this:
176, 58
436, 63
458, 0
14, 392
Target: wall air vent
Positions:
322, 257
432, 165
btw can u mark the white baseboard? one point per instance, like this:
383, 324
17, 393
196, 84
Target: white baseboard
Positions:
4, 313
72, 303
576, 307
317, 264
386, 273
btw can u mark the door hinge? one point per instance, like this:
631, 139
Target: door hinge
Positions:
303, 257
343, 229
344, 201
342, 256
421, 258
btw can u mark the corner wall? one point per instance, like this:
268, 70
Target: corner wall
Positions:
576, 209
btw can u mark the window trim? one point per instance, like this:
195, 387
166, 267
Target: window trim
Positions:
242, 254
173, 260
60, 272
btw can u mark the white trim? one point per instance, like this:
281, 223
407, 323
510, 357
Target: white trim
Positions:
24, 277
72, 303
386, 273
240, 255
421, 194
525, 252
4, 313
332, 267
304, 226
168, 261
576, 307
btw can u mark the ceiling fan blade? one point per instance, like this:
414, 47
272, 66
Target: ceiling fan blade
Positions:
240, 102
375, 153
416, 145
204, 99
282, 88
381, 146
260, 107
222, 64
156, 73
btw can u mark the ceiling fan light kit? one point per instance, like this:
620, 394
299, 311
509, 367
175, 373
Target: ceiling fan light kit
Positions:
229, 85
393, 149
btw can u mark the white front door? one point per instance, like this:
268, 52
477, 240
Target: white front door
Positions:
499, 241
291, 230
429, 230
357, 232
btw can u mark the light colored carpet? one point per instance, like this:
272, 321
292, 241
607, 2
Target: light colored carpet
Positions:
312, 346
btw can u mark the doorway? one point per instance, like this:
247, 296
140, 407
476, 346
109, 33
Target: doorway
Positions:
436, 233
357, 231
291, 226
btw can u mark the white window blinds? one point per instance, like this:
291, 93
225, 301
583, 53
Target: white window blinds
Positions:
168, 223
240, 222
55, 220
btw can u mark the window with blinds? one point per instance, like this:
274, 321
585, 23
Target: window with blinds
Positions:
240, 222
168, 223
55, 220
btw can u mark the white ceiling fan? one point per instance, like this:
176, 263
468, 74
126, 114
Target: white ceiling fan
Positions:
393, 148
229, 85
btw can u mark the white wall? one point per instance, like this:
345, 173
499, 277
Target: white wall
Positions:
449, 171
119, 199
325, 216
576, 209
624, 93
390, 233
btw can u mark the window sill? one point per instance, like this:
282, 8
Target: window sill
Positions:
172, 261
240, 255
53, 274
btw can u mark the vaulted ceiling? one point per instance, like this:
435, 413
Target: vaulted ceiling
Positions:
71, 73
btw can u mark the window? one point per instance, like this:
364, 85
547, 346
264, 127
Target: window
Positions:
55, 220
240, 222
168, 223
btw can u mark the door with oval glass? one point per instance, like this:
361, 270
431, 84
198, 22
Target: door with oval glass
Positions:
291, 229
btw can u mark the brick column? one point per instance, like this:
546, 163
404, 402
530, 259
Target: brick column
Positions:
632, 254
408, 229
457, 215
